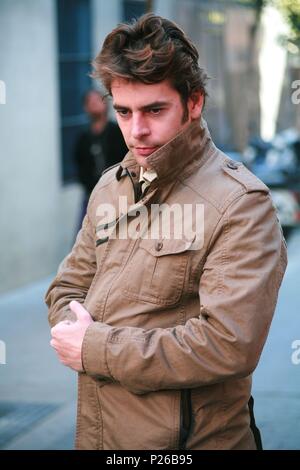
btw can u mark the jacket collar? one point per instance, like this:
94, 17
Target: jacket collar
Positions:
176, 156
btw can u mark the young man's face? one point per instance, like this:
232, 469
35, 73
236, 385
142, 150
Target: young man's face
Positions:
150, 115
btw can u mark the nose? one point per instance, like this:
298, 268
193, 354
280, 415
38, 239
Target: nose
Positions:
139, 127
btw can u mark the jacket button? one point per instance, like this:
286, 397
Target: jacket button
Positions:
158, 246
232, 165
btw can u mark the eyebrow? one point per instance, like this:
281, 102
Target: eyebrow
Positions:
155, 104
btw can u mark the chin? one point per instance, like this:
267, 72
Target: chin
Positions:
141, 161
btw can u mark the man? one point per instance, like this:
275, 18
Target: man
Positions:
165, 331
97, 148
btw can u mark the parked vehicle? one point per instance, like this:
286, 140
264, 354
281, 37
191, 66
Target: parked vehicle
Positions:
287, 203
277, 164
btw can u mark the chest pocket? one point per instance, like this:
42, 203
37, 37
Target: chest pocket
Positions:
156, 272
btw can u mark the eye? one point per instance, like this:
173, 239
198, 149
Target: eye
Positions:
155, 110
122, 112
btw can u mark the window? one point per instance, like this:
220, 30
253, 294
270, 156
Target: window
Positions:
74, 42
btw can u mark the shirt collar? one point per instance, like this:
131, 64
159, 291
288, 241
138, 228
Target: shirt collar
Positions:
148, 175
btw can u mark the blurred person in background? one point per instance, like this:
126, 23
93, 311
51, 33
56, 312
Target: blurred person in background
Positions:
165, 334
97, 148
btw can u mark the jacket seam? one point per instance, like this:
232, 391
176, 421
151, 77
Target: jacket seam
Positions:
98, 186
116, 275
78, 414
100, 304
70, 258
100, 420
210, 201
110, 168
220, 208
223, 216
224, 258
106, 357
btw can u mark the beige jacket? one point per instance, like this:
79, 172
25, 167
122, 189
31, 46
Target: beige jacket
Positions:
177, 331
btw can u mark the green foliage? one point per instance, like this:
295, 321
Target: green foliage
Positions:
289, 8
291, 11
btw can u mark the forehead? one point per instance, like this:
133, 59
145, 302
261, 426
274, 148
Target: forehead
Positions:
131, 93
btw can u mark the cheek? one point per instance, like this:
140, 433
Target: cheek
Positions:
173, 125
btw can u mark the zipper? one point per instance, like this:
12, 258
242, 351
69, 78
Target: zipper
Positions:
185, 417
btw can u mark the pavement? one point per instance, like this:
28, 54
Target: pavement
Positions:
32, 379
276, 384
38, 394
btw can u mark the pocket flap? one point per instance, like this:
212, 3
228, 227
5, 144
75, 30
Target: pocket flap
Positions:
162, 247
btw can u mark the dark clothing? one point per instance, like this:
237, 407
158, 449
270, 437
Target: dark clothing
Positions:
96, 152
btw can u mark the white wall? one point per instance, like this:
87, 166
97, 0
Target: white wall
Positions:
35, 221
106, 16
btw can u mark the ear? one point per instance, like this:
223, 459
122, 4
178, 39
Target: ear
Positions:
195, 104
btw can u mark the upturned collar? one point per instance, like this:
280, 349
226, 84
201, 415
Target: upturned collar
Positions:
190, 145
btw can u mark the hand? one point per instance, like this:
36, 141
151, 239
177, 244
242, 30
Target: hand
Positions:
67, 337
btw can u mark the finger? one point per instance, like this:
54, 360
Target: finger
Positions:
55, 346
57, 328
80, 312
53, 330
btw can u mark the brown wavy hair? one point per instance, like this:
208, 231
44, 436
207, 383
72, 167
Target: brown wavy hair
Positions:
150, 50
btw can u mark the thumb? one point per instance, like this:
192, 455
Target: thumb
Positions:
80, 312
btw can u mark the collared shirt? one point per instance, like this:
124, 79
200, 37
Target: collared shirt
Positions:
146, 177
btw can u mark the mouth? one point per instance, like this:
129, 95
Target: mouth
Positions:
145, 151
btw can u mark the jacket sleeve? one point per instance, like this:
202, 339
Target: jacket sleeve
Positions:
74, 277
238, 293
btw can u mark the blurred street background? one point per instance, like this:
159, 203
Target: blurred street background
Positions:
251, 51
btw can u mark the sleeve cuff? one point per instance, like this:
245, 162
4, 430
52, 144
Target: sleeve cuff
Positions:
94, 350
